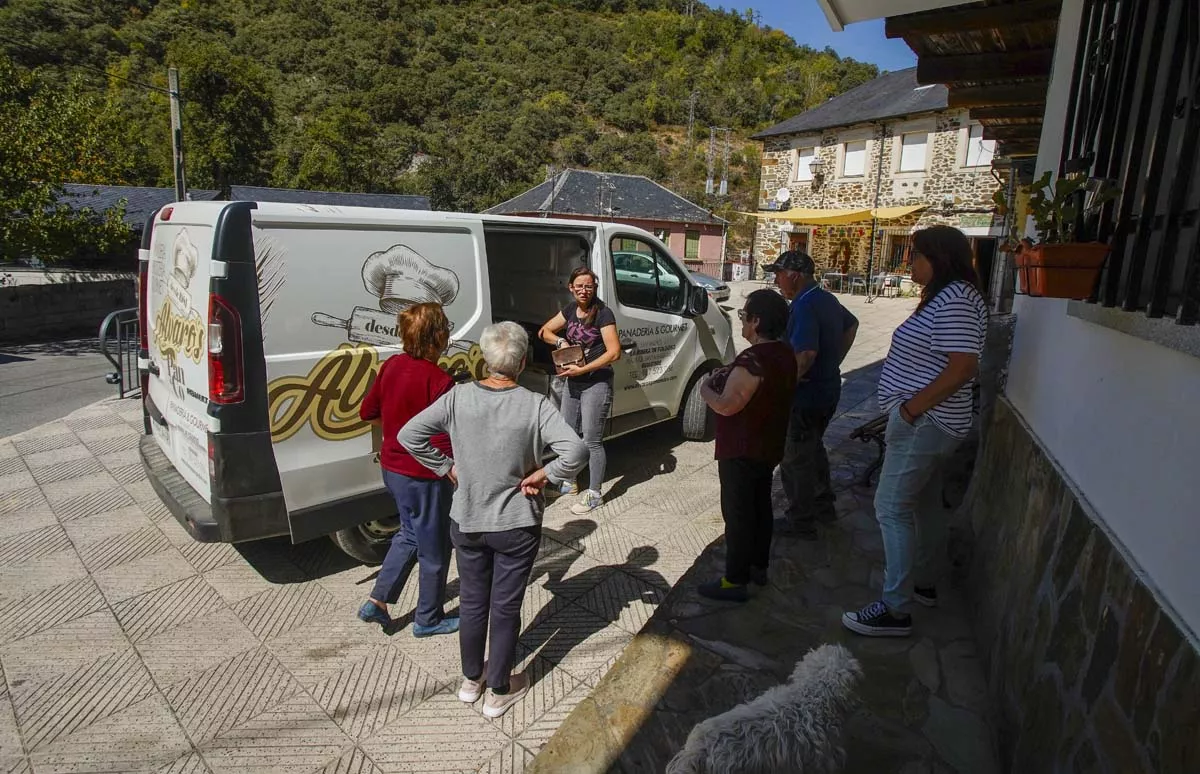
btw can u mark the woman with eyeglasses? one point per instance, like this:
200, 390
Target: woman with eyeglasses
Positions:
588, 389
752, 401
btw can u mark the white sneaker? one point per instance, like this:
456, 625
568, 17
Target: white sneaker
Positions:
495, 705
470, 690
590, 501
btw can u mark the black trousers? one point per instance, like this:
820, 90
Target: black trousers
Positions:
746, 508
805, 469
493, 570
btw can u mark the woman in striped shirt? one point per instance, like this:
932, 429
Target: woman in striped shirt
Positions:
926, 389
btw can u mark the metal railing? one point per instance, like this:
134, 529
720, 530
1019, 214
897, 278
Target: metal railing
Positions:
119, 336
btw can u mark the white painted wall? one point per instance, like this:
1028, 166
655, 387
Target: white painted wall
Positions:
1120, 414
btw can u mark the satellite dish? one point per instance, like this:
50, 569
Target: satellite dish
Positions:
782, 195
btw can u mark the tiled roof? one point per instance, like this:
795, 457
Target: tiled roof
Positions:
892, 95
140, 201
578, 192
249, 193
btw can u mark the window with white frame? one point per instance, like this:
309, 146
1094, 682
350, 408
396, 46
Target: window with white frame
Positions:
979, 150
804, 160
914, 151
854, 159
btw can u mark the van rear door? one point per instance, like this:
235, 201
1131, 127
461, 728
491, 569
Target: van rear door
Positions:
177, 336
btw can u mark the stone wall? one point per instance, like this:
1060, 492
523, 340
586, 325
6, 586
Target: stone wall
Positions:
1088, 671
970, 188
39, 312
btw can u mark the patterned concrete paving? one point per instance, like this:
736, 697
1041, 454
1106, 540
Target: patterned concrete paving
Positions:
126, 646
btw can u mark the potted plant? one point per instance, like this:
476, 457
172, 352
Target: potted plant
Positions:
1064, 262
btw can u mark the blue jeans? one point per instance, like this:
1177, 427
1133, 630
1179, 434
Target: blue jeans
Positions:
908, 505
424, 539
585, 406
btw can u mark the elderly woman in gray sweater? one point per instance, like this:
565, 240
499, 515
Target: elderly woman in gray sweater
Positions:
499, 432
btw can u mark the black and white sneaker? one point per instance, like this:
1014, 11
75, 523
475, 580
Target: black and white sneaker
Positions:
926, 596
875, 620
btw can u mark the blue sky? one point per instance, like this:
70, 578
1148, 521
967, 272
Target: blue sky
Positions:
804, 21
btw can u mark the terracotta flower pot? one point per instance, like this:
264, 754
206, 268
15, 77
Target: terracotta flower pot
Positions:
1061, 271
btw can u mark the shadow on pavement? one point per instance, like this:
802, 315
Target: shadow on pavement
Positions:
627, 457
69, 347
556, 640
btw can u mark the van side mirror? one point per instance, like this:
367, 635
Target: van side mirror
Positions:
697, 301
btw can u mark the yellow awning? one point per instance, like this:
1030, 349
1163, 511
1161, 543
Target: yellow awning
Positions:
814, 217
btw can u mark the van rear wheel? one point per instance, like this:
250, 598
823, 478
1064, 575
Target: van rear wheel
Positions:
696, 419
369, 542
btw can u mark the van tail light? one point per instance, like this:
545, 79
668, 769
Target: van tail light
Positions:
225, 380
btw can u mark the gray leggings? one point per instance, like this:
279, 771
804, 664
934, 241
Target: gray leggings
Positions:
589, 402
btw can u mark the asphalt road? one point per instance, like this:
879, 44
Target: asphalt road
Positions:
42, 382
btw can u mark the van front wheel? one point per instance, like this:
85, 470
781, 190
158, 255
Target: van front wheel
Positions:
696, 418
369, 542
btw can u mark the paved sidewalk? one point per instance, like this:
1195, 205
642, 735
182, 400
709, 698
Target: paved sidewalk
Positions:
125, 646
924, 699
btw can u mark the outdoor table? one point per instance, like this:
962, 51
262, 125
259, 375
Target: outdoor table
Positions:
829, 277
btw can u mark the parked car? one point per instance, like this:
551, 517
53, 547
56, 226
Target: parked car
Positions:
262, 326
715, 287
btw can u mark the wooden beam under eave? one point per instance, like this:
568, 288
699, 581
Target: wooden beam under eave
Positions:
1028, 93
1009, 113
1015, 132
991, 66
1018, 148
972, 18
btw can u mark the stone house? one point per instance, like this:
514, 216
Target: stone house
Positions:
688, 230
853, 177
1081, 530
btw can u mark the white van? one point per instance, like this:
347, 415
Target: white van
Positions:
264, 324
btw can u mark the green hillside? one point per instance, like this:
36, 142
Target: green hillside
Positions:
345, 94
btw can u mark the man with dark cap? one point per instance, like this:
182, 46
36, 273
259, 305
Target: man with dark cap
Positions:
821, 332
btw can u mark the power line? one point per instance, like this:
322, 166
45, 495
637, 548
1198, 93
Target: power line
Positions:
100, 70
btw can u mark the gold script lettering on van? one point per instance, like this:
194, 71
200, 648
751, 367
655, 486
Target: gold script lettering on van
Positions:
178, 327
328, 398
174, 333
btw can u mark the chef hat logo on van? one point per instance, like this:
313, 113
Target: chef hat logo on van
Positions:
401, 277
184, 259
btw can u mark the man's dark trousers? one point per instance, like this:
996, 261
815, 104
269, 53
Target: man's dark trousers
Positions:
805, 470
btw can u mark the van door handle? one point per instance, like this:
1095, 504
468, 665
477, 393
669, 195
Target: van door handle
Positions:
629, 346
153, 368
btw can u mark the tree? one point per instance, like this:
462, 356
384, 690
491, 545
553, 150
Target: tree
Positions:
55, 135
228, 115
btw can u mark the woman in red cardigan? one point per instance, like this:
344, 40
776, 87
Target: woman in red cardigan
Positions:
405, 386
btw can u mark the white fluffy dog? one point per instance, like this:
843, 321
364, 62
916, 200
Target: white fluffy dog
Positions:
794, 728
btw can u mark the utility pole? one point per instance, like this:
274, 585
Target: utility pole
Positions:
875, 211
712, 158
724, 189
691, 119
177, 134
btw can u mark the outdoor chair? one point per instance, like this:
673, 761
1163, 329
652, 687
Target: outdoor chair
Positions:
857, 281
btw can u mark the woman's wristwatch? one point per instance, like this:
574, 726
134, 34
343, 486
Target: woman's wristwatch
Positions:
560, 343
